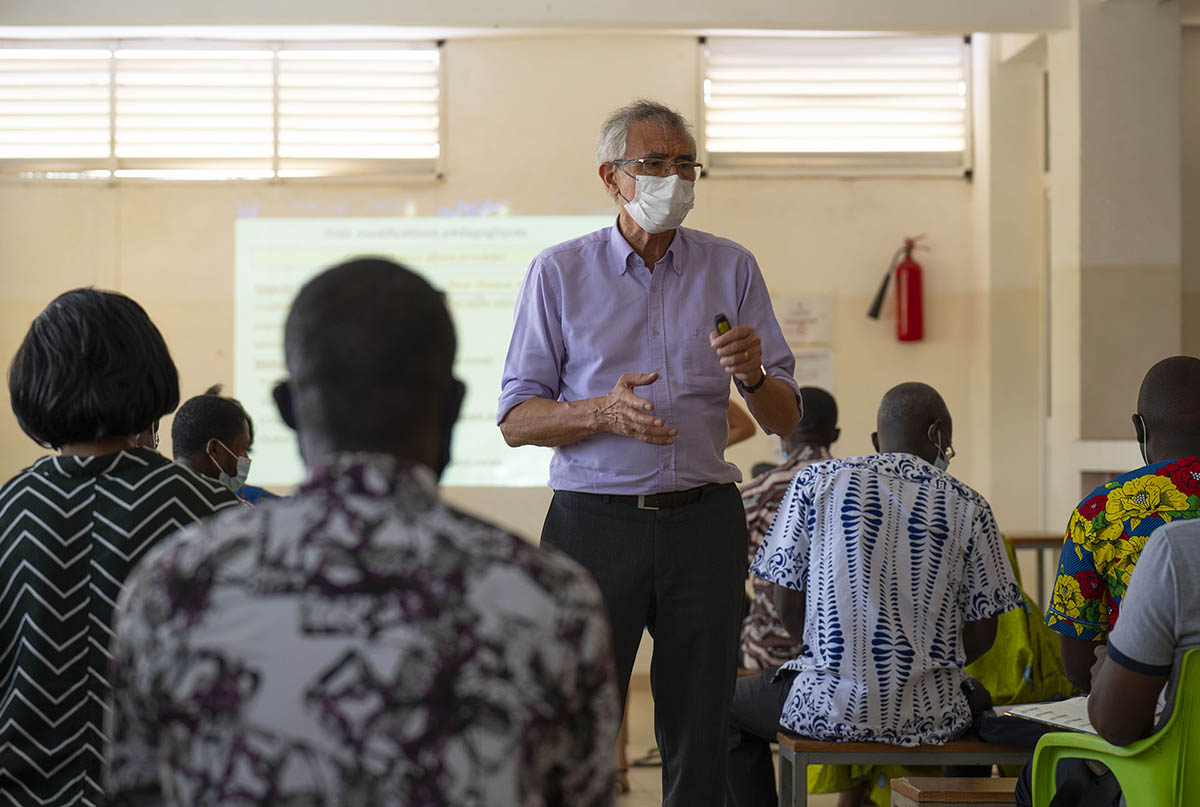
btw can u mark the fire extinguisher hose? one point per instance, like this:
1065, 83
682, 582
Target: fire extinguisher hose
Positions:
877, 305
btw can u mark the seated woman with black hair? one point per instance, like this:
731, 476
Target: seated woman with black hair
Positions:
91, 375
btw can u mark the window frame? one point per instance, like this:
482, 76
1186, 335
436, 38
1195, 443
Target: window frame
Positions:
342, 170
832, 164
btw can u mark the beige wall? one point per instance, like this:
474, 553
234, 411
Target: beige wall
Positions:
1190, 201
1130, 226
521, 120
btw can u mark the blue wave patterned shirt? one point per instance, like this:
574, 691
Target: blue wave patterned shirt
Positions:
893, 556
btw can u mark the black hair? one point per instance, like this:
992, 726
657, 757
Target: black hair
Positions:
92, 366
819, 424
369, 347
204, 417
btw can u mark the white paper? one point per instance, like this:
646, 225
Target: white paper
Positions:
814, 368
1067, 714
805, 320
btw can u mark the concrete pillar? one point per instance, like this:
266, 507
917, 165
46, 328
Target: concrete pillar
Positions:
1114, 229
1009, 253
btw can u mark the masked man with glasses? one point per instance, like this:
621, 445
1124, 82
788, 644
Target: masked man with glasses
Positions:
614, 361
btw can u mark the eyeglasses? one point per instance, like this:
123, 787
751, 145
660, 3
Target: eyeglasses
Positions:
655, 167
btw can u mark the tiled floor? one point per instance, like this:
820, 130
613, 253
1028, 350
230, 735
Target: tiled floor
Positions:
646, 783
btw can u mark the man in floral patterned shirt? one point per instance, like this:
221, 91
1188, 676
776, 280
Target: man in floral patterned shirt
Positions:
1110, 526
362, 643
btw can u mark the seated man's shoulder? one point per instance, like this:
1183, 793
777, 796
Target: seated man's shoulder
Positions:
1182, 537
965, 491
894, 466
172, 479
910, 470
1178, 479
491, 544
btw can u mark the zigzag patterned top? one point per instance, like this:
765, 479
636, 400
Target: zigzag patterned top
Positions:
894, 556
71, 529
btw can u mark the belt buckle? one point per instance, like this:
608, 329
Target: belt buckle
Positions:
641, 503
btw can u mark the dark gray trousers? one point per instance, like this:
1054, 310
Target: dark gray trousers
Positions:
679, 572
753, 723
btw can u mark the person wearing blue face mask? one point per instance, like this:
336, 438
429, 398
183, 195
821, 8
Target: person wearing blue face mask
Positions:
212, 435
892, 576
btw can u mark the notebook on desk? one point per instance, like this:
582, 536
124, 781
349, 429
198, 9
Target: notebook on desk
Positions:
1070, 714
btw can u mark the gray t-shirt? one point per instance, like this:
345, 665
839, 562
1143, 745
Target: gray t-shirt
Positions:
1160, 615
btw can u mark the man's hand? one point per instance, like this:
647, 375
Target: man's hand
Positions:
740, 351
622, 412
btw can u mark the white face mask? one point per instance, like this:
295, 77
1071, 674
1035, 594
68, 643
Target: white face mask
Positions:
234, 483
661, 203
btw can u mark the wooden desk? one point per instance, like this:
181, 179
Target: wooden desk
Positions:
797, 753
917, 791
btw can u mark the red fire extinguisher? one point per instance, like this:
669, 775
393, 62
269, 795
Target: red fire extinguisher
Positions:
910, 314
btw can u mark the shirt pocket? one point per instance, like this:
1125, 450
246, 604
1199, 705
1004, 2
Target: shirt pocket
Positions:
701, 364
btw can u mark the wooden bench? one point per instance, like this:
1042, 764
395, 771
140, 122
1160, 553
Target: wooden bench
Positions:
797, 753
916, 791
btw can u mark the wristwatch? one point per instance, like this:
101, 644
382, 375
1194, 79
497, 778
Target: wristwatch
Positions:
753, 388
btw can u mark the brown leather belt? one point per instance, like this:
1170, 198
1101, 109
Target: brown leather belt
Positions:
660, 501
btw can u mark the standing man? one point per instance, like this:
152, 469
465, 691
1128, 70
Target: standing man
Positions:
614, 362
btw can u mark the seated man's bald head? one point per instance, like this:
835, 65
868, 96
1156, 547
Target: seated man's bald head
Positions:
913, 419
1168, 409
369, 347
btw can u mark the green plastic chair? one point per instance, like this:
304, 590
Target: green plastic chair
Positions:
1159, 771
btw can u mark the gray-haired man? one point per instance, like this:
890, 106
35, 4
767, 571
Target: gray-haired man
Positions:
643, 496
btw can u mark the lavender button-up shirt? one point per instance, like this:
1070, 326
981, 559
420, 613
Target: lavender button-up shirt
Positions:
589, 310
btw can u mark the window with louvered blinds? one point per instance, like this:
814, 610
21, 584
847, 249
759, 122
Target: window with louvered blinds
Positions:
837, 104
55, 106
219, 110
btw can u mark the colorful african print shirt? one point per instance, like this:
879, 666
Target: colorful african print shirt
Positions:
361, 643
765, 640
893, 557
71, 528
1105, 537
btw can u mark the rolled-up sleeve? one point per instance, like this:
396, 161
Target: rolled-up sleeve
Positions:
533, 366
756, 311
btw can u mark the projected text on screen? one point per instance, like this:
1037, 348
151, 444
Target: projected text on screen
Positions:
478, 262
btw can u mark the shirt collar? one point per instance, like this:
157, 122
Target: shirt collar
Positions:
75, 466
810, 454
620, 251
374, 475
